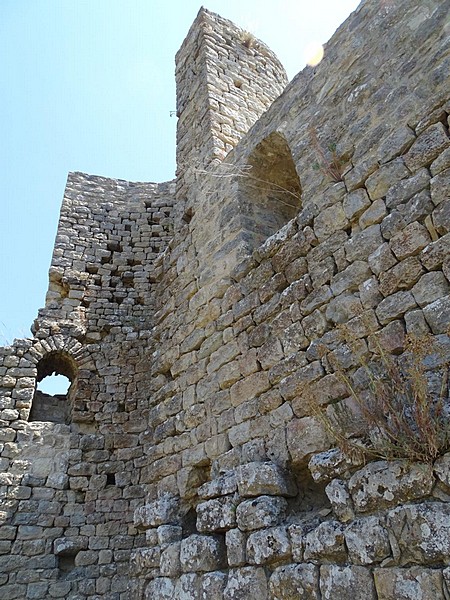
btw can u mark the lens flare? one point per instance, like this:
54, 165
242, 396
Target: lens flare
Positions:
313, 54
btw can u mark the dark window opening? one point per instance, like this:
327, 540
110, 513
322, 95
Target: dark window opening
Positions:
270, 190
55, 389
110, 479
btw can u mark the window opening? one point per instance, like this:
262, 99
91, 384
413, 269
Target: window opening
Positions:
56, 377
270, 190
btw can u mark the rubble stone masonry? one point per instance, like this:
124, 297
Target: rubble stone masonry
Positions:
185, 461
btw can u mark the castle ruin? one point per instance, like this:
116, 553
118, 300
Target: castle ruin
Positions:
195, 318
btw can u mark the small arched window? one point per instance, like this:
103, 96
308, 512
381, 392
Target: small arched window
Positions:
270, 190
55, 389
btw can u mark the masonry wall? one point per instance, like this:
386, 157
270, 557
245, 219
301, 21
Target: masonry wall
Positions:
191, 465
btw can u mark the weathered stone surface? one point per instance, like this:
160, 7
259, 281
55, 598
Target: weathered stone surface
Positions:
341, 502
246, 583
389, 483
436, 315
294, 581
326, 543
427, 147
202, 553
265, 511
218, 514
346, 583
162, 511
268, 546
305, 437
395, 306
379, 182
236, 542
258, 479
355, 203
161, 588
170, 565
409, 584
367, 541
411, 240
213, 585
422, 532
331, 463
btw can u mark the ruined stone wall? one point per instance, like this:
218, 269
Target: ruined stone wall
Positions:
69, 484
191, 464
234, 511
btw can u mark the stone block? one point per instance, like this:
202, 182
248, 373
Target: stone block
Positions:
350, 278
422, 532
437, 315
411, 240
382, 484
346, 583
440, 187
202, 553
430, 287
388, 174
326, 543
236, 543
374, 214
401, 277
395, 306
332, 463
305, 437
367, 541
213, 585
429, 144
407, 188
268, 546
409, 584
162, 511
433, 255
221, 486
264, 478
250, 387
340, 500
187, 587
295, 581
161, 588
246, 583
170, 560
441, 217
265, 511
329, 221
396, 144
217, 514
356, 203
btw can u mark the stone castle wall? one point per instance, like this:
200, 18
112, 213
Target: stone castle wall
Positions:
189, 463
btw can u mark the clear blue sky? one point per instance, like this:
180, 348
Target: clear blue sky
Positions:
88, 85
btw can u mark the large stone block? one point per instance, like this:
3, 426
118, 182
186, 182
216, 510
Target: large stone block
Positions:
409, 584
264, 478
422, 532
246, 583
326, 543
305, 437
217, 514
268, 546
367, 541
382, 484
202, 553
299, 582
265, 511
346, 583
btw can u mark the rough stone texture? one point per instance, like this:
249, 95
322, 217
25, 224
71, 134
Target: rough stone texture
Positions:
384, 484
294, 581
415, 583
198, 322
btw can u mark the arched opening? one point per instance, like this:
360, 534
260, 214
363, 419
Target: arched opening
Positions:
55, 389
270, 190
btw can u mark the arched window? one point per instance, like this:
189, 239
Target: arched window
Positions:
56, 382
270, 191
